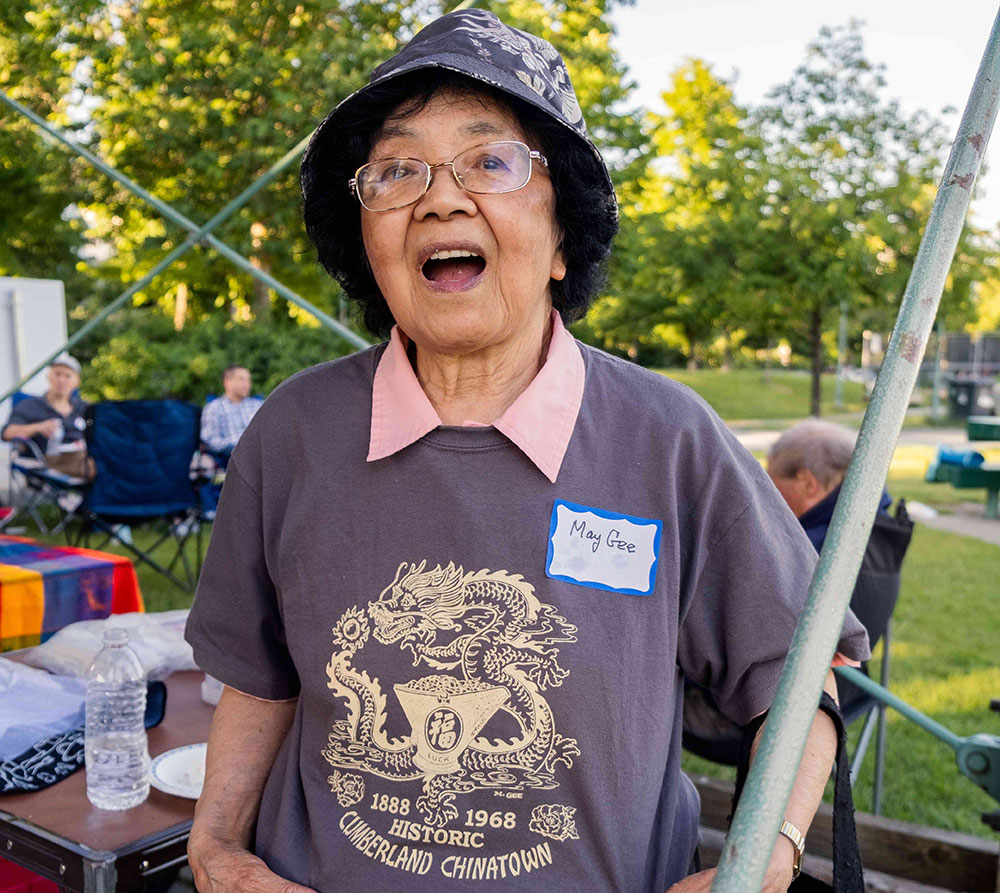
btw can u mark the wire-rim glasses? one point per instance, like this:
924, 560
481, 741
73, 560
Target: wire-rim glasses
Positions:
487, 169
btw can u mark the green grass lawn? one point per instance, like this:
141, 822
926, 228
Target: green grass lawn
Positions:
158, 593
752, 394
946, 627
944, 662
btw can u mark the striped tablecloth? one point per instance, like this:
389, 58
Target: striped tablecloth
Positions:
44, 588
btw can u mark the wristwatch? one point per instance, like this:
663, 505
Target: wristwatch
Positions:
798, 841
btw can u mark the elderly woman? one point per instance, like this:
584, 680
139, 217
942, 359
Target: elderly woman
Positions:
456, 579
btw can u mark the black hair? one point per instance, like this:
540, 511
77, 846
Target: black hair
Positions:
232, 367
584, 209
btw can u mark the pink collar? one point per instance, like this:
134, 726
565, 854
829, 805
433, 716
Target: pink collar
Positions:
540, 421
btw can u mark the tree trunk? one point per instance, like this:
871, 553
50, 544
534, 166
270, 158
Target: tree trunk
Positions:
261, 300
727, 351
692, 359
180, 306
261, 294
816, 342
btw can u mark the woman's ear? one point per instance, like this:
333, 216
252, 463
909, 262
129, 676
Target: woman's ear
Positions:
558, 270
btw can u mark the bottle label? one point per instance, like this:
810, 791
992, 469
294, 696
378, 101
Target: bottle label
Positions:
115, 763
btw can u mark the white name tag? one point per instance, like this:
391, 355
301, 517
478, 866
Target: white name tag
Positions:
604, 550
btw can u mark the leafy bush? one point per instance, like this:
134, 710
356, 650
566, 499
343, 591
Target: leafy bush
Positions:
145, 358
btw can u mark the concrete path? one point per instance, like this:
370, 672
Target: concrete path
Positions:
761, 438
967, 520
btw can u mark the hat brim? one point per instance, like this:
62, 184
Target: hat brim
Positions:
324, 138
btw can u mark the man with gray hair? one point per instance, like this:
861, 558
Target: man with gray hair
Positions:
807, 464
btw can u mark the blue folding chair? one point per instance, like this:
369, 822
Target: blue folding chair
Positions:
143, 451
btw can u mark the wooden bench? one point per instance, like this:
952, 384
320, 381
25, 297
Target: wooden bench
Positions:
898, 857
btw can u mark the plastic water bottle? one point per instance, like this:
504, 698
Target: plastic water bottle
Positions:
115, 746
54, 444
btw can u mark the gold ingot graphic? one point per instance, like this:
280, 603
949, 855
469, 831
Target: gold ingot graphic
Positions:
445, 716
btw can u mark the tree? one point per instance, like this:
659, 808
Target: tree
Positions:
195, 100
762, 222
39, 183
680, 257
852, 180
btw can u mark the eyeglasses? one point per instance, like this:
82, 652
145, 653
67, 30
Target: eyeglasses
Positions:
489, 169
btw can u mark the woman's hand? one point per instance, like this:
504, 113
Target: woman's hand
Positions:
220, 867
777, 879
246, 734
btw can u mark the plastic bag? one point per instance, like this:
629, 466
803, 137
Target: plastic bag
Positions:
157, 639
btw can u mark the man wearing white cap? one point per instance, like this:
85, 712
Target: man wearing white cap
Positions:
54, 422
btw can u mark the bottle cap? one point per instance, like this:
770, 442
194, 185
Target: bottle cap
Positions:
115, 635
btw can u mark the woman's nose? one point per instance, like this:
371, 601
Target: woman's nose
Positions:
444, 196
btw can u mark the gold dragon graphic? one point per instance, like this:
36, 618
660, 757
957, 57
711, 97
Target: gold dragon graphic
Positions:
491, 640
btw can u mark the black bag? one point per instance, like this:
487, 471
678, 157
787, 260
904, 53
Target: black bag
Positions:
847, 872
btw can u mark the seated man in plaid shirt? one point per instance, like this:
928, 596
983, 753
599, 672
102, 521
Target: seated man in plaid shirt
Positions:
224, 419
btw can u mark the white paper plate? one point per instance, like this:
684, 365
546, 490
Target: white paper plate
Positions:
180, 771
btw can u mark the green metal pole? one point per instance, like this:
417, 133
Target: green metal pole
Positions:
898, 704
180, 250
160, 206
176, 217
751, 838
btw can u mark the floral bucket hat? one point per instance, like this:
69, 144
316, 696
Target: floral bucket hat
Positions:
475, 43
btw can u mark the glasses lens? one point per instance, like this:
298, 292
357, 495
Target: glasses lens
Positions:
391, 183
494, 167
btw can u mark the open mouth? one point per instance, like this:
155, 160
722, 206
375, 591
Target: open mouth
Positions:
453, 269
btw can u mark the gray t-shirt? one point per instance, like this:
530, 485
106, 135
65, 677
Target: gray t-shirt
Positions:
469, 717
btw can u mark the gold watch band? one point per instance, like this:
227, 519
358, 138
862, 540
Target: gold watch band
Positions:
798, 841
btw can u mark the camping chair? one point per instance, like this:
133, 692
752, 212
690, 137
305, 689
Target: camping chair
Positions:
873, 601
143, 451
7, 515
33, 485
710, 734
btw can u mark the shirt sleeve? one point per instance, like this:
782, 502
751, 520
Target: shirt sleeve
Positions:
27, 412
21, 414
235, 625
211, 429
748, 597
